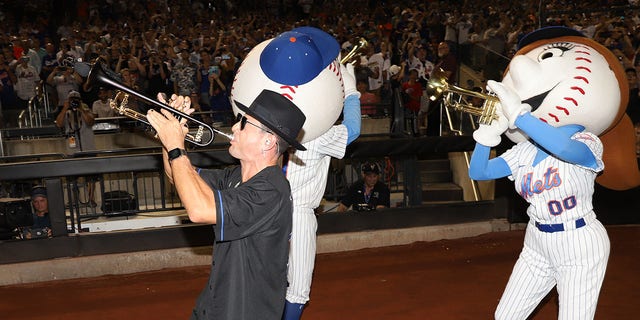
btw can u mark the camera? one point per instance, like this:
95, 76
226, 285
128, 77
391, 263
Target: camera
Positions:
362, 207
214, 69
39, 233
74, 104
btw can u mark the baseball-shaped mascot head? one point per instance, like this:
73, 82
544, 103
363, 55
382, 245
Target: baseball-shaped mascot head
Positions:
302, 65
568, 78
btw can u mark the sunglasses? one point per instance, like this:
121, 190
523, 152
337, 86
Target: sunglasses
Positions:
243, 123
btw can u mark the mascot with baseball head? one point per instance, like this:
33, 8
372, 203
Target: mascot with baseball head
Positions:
303, 65
562, 101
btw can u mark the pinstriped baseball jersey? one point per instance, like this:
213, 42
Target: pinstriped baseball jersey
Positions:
557, 191
574, 261
307, 170
307, 173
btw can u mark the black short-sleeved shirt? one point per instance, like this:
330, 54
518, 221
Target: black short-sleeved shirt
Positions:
355, 195
248, 277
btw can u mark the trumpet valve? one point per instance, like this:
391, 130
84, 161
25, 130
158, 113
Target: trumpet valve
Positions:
488, 112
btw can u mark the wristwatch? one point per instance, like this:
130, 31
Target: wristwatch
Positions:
176, 153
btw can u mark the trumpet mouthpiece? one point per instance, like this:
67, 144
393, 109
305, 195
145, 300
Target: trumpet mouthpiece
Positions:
224, 134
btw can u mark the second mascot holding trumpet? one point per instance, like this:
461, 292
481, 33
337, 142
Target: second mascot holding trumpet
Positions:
562, 101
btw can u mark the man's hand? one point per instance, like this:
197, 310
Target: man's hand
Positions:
349, 80
510, 102
170, 130
180, 103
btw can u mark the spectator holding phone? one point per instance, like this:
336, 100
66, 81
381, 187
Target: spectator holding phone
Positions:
157, 74
64, 79
205, 68
218, 95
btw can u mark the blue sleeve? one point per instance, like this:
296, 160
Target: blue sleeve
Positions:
481, 168
352, 117
557, 141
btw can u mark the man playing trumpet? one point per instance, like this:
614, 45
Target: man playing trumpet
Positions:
250, 205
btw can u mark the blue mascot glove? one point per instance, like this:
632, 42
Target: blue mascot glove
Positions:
490, 134
349, 80
510, 102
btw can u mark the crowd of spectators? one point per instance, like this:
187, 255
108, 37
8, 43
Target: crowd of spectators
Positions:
193, 47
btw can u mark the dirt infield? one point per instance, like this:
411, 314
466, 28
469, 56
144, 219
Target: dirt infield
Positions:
446, 279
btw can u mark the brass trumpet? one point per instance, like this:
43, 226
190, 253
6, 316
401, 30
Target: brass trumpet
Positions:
439, 87
200, 133
362, 43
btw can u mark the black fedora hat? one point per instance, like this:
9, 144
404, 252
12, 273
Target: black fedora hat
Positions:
277, 113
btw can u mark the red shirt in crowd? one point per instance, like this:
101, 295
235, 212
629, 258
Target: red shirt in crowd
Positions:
413, 91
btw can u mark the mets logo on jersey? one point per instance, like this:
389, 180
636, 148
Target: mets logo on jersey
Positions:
550, 179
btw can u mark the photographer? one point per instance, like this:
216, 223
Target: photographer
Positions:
76, 119
368, 193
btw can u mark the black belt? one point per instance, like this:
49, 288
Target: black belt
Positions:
556, 227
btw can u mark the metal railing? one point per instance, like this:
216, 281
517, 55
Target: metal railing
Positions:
132, 182
92, 181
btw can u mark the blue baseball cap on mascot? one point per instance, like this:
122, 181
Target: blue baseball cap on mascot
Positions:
327, 44
302, 65
296, 57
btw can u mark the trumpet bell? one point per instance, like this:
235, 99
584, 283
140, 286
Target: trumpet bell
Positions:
355, 51
437, 85
456, 98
